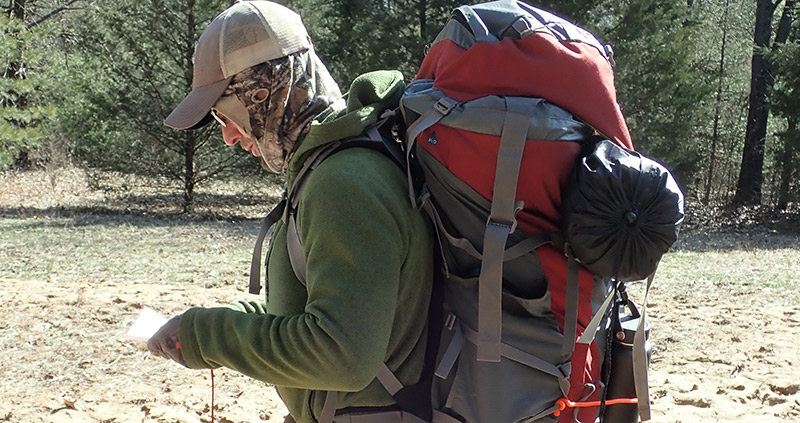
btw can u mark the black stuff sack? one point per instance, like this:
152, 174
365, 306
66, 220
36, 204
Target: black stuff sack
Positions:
621, 212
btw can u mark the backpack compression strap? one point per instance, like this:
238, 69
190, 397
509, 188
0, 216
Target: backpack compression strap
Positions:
502, 222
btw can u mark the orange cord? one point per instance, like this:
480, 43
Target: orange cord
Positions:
564, 403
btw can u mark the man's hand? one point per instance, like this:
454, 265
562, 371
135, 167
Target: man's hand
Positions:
165, 342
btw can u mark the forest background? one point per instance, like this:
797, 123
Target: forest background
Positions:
711, 88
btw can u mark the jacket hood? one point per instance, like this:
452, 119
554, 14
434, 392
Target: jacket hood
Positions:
369, 96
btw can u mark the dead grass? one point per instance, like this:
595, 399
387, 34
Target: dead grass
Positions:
56, 225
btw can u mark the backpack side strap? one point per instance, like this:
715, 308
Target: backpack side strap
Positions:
571, 308
591, 329
640, 359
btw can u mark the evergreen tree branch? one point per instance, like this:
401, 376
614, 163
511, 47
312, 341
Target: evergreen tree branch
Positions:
50, 14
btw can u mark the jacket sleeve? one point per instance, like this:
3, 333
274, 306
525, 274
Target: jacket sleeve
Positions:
355, 233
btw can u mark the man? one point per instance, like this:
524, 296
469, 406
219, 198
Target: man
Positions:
368, 253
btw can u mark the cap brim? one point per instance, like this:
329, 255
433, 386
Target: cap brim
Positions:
195, 107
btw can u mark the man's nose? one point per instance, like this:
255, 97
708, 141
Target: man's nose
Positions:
231, 135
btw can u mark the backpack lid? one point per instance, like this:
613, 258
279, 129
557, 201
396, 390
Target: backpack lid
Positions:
621, 212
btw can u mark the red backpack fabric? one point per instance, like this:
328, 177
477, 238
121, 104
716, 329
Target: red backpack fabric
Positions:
573, 74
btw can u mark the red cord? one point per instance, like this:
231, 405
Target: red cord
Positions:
212, 395
177, 347
564, 403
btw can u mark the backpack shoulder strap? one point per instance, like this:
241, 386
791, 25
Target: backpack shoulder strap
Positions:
255, 264
407, 397
372, 137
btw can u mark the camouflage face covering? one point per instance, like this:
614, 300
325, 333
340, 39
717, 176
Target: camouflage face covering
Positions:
297, 88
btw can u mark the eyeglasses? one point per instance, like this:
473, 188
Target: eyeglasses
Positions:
219, 118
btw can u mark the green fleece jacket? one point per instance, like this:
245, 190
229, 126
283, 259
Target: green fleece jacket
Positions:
369, 272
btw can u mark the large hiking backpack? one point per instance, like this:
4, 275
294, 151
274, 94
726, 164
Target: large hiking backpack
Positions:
508, 98
516, 148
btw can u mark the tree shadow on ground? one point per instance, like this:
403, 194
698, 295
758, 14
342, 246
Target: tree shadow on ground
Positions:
761, 238
745, 228
206, 207
704, 228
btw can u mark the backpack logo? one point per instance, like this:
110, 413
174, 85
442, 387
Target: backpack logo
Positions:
432, 140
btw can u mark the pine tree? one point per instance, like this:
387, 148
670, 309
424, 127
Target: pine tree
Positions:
22, 110
131, 65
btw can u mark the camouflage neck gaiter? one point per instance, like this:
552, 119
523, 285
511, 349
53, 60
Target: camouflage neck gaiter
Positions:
298, 87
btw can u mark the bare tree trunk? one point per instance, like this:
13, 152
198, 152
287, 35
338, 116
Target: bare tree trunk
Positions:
748, 188
52, 13
785, 24
189, 177
788, 167
712, 156
422, 14
17, 9
15, 69
189, 137
787, 157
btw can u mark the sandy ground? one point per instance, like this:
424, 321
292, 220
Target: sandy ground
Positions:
63, 359
717, 358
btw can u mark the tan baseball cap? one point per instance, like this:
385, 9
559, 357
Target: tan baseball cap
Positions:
244, 35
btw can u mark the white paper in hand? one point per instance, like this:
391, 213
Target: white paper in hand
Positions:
147, 324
